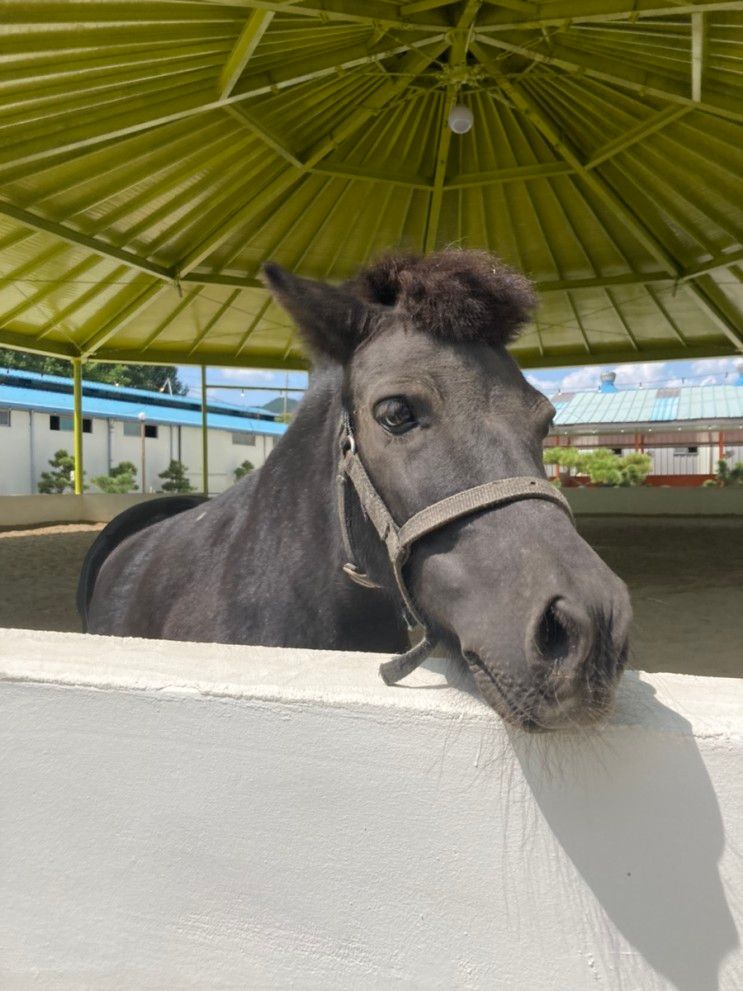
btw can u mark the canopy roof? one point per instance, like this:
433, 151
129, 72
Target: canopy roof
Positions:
153, 154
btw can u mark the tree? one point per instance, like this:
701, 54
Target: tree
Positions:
121, 478
176, 479
150, 377
244, 469
62, 476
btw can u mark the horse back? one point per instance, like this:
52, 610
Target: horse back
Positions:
126, 524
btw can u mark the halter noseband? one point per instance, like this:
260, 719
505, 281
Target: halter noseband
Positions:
399, 539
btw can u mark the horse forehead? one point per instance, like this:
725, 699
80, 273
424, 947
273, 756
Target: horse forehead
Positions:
407, 353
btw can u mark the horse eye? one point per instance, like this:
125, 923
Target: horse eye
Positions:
395, 414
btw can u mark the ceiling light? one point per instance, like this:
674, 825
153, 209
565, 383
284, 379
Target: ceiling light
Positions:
460, 119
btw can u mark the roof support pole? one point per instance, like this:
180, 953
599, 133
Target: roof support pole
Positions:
77, 423
698, 55
204, 435
457, 59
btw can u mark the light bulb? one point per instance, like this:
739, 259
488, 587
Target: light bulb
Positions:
460, 119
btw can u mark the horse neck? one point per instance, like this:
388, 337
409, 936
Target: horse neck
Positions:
297, 490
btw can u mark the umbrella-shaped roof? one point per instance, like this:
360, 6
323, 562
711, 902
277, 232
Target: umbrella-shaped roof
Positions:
153, 154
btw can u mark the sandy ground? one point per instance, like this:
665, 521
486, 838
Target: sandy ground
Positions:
685, 575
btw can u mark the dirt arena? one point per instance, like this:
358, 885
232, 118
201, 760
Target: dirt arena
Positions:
685, 575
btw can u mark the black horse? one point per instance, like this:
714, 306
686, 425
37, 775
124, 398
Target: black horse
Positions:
409, 488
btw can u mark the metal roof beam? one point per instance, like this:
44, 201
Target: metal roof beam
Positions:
516, 173
653, 124
130, 311
343, 170
622, 74
220, 312
714, 264
415, 61
263, 308
421, 5
597, 185
457, 58
370, 12
180, 306
184, 107
566, 12
83, 240
24, 342
271, 359
558, 359
602, 281
713, 302
246, 44
243, 115
519, 6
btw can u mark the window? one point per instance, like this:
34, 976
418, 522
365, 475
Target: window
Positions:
4, 417
247, 440
682, 452
617, 450
65, 423
131, 429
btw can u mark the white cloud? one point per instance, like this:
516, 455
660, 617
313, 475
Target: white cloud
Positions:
645, 373
261, 374
716, 367
544, 385
632, 375
588, 377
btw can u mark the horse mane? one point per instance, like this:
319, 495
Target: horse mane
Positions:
455, 294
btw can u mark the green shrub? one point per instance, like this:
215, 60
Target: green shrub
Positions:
62, 476
602, 466
121, 478
176, 479
244, 469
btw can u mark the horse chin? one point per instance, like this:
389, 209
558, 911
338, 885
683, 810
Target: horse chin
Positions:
534, 710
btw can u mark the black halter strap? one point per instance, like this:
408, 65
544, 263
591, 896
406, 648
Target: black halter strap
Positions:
399, 539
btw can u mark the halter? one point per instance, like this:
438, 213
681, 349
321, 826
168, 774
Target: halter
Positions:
399, 539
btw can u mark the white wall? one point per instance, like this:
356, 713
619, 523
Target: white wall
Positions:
198, 816
30, 433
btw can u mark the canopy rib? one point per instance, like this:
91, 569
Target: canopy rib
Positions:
153, 155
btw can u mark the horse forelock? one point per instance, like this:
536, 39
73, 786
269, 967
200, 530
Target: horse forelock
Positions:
457, 295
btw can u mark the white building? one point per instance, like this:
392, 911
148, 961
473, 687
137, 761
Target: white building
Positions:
36, 421
684, 429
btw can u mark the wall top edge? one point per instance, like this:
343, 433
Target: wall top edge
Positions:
668, 703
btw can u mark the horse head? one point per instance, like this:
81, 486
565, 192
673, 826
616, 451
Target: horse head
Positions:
438, 406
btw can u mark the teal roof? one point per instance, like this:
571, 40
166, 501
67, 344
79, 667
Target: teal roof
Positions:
686, 403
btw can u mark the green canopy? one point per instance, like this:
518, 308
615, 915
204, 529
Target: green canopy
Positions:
153, 154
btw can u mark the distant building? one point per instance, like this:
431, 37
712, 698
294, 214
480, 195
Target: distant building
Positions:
36, 421
685, 429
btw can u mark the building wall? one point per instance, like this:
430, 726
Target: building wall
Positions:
28, 444
211, 816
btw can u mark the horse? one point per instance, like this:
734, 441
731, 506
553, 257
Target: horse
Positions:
409, 491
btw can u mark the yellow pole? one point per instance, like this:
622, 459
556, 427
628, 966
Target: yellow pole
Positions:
77, 422
204, 435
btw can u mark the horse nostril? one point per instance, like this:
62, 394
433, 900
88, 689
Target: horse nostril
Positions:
552, 638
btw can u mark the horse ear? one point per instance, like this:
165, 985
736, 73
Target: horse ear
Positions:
332, 321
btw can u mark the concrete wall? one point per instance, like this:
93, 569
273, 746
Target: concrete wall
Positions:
199, 816
95, 507
652, 501
92, 507
28, 444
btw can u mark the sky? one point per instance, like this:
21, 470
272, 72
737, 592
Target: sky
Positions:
703, 371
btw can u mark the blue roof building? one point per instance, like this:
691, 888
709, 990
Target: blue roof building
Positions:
146, 428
